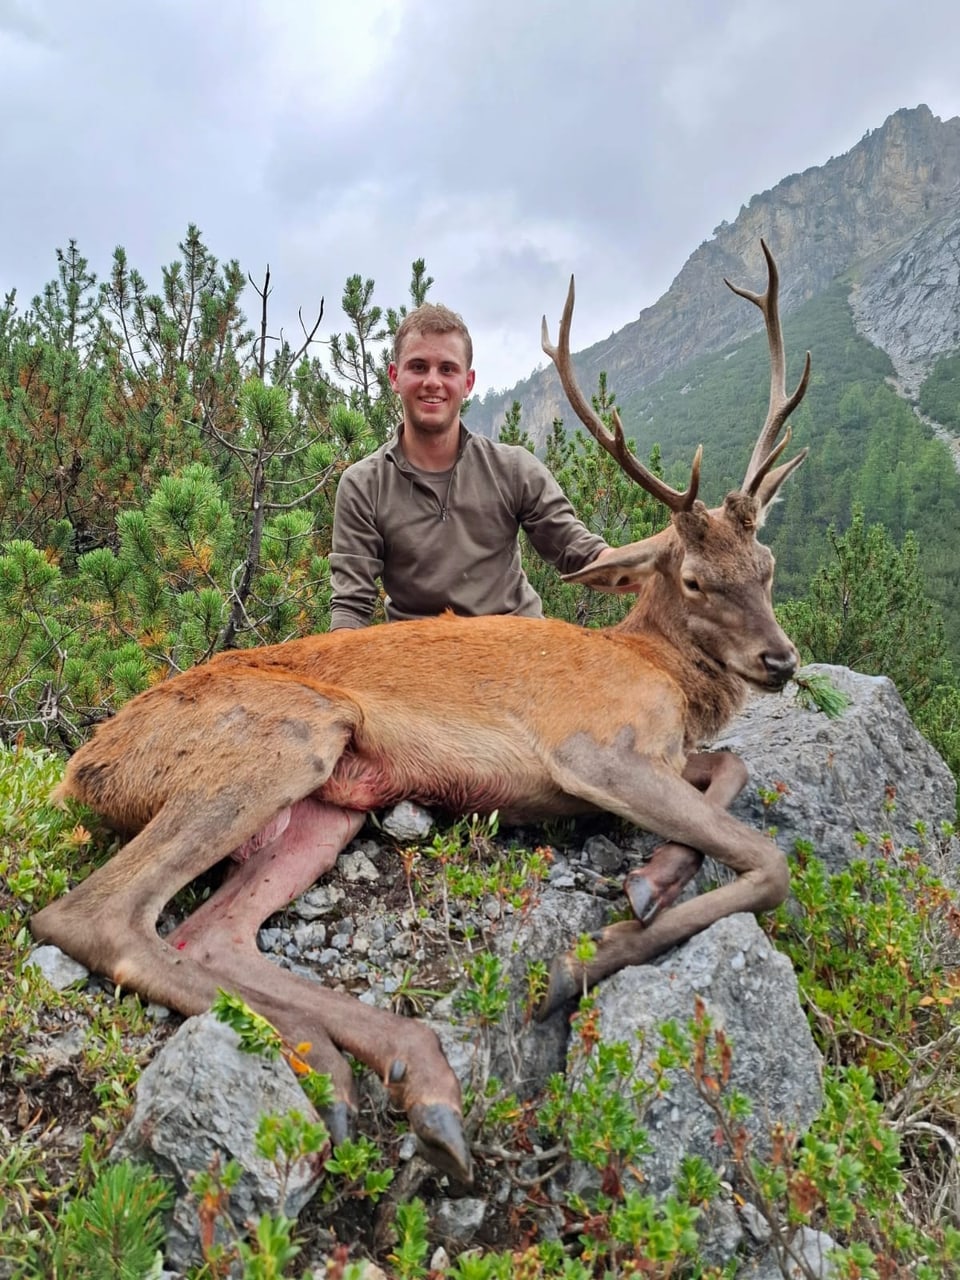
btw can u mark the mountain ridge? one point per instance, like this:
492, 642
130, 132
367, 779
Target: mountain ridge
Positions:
884, 214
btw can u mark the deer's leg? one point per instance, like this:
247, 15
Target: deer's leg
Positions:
109, 921
720, 776
621, 780
226, 926
268, 878
310, 837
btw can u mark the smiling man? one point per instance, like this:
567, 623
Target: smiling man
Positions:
435, 512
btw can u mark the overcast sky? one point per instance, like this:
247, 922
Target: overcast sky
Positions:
509, 142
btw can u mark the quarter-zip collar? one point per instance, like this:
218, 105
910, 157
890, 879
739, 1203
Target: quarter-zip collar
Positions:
396, 455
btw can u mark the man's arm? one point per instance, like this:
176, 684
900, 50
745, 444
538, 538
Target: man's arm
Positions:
356, 555
549, 520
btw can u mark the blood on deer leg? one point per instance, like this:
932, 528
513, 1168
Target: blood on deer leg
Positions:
221, 935
269, 877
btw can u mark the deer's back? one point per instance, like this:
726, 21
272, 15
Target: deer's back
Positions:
460, 712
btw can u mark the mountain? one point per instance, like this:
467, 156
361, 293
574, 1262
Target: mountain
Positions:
884, 219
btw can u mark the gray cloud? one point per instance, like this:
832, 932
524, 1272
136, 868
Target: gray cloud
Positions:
508, 144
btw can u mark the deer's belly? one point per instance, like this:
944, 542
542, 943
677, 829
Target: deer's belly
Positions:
361, 783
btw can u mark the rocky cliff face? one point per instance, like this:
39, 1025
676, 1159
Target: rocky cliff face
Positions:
885, 213
907, 300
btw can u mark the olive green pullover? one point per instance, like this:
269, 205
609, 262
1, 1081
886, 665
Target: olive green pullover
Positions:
449, 539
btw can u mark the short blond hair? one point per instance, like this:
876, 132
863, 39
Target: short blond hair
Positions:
430, 317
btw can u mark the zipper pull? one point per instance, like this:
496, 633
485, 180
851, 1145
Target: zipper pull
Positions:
443, 513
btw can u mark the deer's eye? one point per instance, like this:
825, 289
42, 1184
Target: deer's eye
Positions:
691, 584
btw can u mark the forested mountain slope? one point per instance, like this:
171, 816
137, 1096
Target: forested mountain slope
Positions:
868, 449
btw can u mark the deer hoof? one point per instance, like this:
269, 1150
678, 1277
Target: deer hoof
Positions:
341, 1121
562, 988
644, 903
439, 1131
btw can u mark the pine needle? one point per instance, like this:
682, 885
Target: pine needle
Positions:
819, 693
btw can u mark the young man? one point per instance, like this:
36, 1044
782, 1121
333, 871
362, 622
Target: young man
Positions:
435, 512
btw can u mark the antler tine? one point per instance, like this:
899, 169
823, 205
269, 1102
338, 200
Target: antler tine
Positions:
781, 405
766, 480
613, 442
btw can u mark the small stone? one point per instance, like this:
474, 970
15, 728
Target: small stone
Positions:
408, 822
755, 1223
458, 1221
565, 880
310, 934
57, 967
59, 1051
357, 866
603, 854
318, 901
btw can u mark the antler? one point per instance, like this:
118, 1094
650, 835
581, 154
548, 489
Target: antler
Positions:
766, 451
613, 442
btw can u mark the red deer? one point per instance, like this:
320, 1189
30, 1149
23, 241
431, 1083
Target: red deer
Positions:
274, 755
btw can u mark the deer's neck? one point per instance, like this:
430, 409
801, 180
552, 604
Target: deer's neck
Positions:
714, 695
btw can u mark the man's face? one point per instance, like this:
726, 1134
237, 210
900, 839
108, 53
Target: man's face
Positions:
432, 381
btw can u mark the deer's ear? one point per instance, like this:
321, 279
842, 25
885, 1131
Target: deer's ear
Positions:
621, 571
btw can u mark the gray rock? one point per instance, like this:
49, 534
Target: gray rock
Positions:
355, 865
57, 967
603, 854
561, 878
312, 933
755, 1223
839, 776
56, 1052
906, 302
810, 1250
750, 992
408, 821
720, 1232
200, 1100
439, 1259
458, 1221
519, 1052
321, 900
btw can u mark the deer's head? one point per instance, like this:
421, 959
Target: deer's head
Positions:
705, 582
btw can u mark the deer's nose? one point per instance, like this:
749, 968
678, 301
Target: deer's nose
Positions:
779, 666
